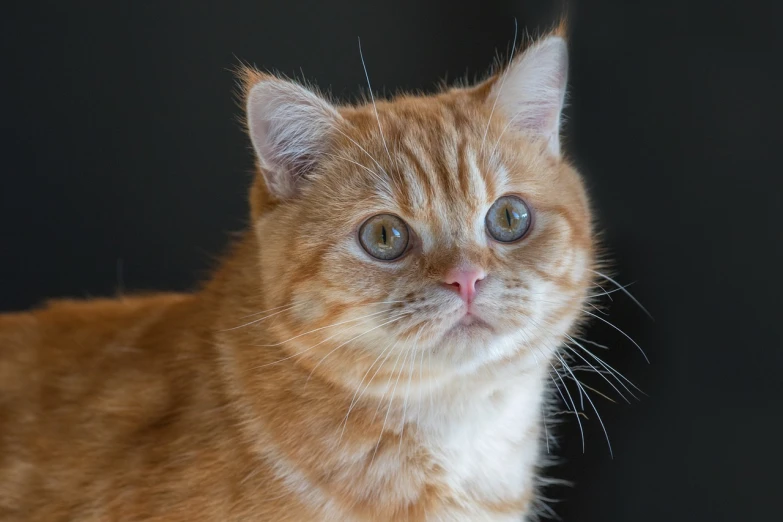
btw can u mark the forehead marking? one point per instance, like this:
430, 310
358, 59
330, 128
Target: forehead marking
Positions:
477, 185
417, 182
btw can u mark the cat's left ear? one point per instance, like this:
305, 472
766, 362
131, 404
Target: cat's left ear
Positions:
290, 128
531, 91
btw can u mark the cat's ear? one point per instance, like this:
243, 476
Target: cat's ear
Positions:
531, 91
290, 127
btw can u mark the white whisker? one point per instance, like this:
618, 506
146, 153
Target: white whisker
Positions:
391, 400
587, 395
396, 318
359, 392
265, 311
363, 150
597, 345
372, 97
374, 174
573, 405
321, 328
311, 347
623, 290
388, 381
625, 334
607, 293
617, 375
407, 391
259, 319
421, 386
601, 374
429, 370
502, 82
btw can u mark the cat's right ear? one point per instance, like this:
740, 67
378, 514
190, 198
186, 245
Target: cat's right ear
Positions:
290, 128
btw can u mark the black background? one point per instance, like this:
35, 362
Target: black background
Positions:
123, 166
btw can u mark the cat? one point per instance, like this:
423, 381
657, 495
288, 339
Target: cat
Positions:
376, 346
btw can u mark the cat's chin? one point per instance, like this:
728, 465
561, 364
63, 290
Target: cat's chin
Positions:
470, 320
470, 327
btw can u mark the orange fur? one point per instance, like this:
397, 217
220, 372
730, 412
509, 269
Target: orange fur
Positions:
206, 407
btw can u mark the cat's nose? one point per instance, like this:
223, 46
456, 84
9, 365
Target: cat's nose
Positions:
463, 281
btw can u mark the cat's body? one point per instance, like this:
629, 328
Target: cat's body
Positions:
307, 380
122, 412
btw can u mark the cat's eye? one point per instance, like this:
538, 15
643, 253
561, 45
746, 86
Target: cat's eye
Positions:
384, 236
508, 219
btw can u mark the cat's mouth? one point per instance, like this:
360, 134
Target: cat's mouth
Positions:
470, 322
469, 319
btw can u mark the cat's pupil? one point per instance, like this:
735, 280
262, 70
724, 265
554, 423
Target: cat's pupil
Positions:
384, 236
508, 219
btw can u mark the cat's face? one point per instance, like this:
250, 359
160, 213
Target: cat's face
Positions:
441, 234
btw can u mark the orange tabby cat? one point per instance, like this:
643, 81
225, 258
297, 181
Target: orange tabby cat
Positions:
376, 347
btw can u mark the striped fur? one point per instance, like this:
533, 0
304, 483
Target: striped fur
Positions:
306, 380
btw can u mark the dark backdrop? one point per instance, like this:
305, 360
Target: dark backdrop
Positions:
123, 166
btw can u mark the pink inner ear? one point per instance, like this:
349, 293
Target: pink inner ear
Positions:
289, 127
532, 90
536, 115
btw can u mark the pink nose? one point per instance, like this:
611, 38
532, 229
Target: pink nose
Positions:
464, 281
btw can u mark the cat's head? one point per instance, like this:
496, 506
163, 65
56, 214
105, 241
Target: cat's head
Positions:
444, 233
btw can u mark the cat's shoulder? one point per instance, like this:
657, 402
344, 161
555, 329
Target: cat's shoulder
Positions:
108, 306
72, 310
80, 325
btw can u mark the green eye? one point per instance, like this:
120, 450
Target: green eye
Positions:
384, 237
508, 219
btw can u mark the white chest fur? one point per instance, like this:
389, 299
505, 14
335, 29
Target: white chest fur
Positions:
490, 447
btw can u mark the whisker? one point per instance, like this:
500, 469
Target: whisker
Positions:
502, 83
625, 334
508, 124
363, 150
359, 391
597, 309
601, 374
372, 97
597, 345
560, 377
573, 405
569, 412
543, 409
596, 391
546, 429
407, 393
322, 328
587, 395
391, 376
375, 174
607, 293
421, 386
396, 318
265, 311
623, 290
608, 367
260, 319
589, 369
560, 392
308, 349
614, 373
429, 370
388, 410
